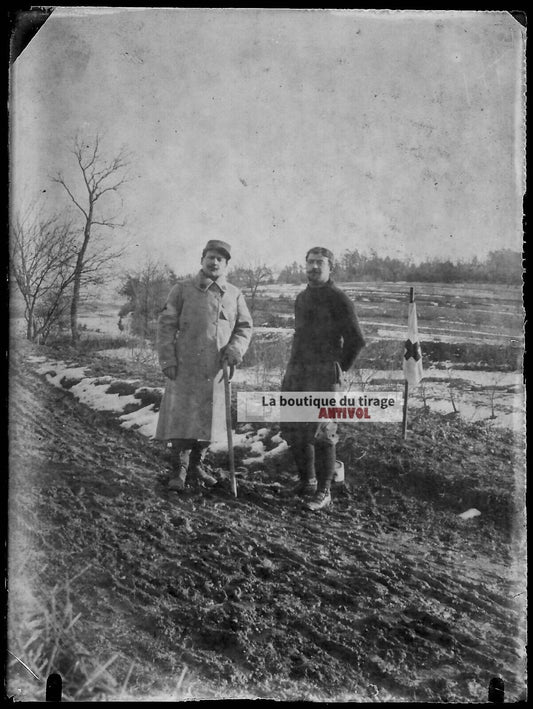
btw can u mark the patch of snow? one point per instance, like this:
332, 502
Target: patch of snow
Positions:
472, 404
278, 450
257, 447
437, 334
144, 420
251, 461
61, 371
95, 396
239, 439
472, 512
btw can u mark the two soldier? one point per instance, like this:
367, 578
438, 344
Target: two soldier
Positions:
206, 322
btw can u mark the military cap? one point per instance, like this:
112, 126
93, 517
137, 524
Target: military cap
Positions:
217, 245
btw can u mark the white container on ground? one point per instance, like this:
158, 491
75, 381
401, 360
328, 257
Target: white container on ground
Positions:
339, 471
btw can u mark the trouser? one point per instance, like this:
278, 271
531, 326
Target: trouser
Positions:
313, 446
314, 451
187, 452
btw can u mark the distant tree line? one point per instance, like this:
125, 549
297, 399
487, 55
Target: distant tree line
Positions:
502, 266
145, 290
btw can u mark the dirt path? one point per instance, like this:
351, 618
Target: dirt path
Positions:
385, 596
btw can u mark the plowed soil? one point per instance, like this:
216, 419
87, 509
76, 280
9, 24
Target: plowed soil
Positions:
388, 595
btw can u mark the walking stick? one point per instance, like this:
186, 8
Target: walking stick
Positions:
227, 394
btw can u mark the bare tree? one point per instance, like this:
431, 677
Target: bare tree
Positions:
101, 177
251, 276
42, 257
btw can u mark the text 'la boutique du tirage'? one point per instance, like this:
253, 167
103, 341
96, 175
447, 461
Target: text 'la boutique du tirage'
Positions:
316, 406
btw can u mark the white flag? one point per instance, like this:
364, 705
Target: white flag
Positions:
412, 358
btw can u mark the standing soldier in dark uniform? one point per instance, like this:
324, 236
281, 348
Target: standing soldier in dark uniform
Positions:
326, 342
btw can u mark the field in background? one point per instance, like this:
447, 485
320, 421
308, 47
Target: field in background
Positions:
472, 340
446, 312
452, 314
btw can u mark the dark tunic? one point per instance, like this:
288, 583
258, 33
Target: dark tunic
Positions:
327, 339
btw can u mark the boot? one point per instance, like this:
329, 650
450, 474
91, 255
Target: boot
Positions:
179, 465
325, 462
196, 468
321, 499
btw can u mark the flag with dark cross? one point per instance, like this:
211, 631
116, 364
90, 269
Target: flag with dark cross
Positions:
412, 358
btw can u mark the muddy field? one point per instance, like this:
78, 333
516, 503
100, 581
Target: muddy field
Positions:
131, 593
478, 313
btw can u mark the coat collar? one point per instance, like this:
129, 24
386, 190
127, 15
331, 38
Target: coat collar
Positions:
203, 282
329, 282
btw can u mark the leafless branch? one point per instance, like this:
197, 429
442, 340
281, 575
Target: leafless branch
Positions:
100, 177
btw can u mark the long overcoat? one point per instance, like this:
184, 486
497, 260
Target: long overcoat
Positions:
200, 317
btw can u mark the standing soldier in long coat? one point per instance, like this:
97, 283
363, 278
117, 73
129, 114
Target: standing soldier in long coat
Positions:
204, 322
327, 340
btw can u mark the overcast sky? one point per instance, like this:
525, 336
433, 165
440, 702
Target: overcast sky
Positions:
277, 130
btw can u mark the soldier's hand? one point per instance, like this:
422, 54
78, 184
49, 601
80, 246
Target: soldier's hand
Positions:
170, 372
231, 357
231, 369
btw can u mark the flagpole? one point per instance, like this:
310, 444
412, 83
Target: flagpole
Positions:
406, 383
